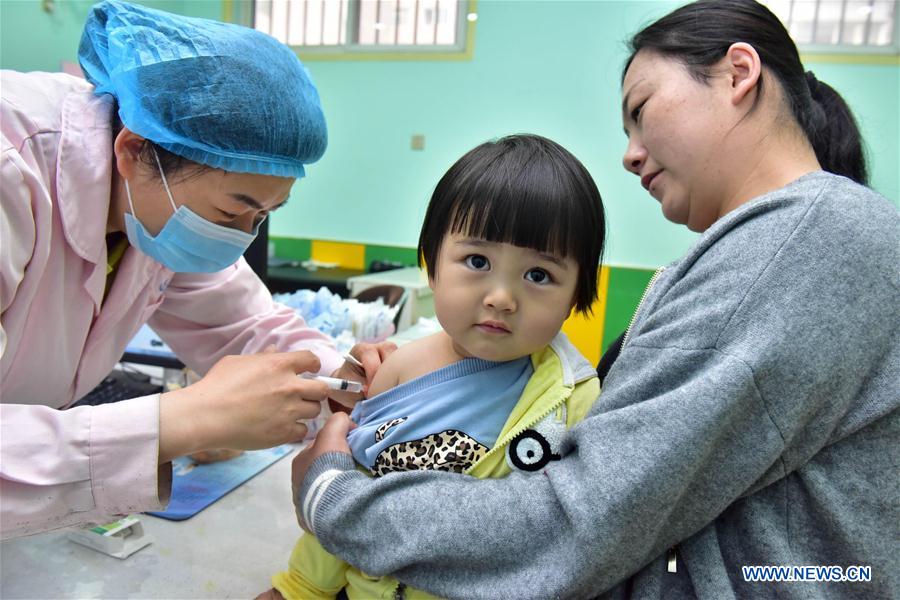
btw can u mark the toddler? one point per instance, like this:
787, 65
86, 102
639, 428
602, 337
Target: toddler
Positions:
512, 241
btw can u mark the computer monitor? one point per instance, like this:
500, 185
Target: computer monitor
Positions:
146, 348
124, 383
257, 255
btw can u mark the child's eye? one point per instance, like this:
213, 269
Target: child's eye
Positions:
228, 215
539, 276
477, 262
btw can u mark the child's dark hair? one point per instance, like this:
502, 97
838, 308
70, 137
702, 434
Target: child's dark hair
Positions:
699, 34
523, 190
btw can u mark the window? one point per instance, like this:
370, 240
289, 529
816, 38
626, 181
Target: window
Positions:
851, 26
352, 26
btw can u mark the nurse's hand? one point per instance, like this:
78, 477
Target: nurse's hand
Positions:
244, 402
368, 359
332, 438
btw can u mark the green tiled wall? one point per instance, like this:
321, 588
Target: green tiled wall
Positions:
407, 256
301, 249
291, 248
626, 286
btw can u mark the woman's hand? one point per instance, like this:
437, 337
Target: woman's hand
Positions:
244, 402
368, 360
332, 438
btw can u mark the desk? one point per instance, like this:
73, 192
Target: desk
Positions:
291, 278
420, 302
228, 550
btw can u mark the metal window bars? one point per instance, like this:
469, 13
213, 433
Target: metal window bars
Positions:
830, 25
320, 23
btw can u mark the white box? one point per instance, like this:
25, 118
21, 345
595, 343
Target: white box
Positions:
419, 303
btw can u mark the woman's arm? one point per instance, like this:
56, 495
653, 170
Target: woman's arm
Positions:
206, 316
638, 480
61, 468
244, 402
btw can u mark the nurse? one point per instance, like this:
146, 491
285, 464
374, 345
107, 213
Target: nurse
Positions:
129, 198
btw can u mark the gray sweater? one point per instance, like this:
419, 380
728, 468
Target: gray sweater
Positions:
751, 419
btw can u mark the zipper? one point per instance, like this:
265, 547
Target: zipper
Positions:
671, 560
399, 592
501, 444
641, 303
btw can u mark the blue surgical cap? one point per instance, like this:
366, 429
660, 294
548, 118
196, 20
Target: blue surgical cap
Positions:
222, 95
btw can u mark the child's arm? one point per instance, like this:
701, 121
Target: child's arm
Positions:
387, 375
412, 360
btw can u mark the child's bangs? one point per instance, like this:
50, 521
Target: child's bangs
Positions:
528, 210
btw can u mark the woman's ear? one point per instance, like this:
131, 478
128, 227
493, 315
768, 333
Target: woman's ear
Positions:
744, 68
127, 150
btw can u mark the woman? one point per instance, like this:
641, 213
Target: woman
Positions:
131, 199
751, 417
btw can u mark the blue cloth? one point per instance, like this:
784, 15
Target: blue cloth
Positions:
472, 396
219, 94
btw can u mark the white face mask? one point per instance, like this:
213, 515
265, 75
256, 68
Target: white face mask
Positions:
187, 243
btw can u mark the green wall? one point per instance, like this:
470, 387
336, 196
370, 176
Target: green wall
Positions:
548, 67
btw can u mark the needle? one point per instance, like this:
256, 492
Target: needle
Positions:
357, 366
352, 360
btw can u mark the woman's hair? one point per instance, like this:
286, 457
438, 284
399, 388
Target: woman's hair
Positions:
699, 34
523, 190
177, 168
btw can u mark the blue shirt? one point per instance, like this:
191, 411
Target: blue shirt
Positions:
444, 420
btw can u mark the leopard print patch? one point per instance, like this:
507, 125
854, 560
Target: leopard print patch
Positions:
383, 428
449, 450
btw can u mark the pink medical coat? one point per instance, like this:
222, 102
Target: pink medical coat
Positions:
59, 337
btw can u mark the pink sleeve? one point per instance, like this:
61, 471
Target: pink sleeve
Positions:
17, 228
85, 464
206, 316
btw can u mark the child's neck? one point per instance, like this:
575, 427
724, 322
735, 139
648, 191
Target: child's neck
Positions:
451, 351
